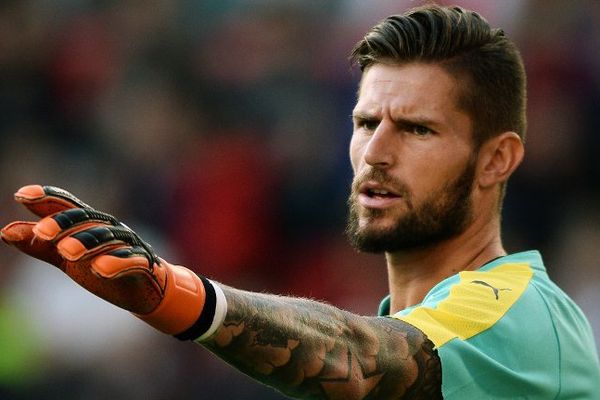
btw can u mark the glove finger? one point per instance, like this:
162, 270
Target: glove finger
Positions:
101, 238
47, 200
119, 260
20, 234
66, 222
110, 264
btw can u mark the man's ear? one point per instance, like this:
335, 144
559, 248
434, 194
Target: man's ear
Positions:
499, 157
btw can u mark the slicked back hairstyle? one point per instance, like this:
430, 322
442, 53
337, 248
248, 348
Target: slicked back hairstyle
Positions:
485, 62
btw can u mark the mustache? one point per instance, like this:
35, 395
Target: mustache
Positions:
381, 177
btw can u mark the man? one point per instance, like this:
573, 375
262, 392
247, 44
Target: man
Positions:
438, 130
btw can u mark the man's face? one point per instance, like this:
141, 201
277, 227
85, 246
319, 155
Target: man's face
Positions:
413, 159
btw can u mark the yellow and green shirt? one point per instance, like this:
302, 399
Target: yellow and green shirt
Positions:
507, 331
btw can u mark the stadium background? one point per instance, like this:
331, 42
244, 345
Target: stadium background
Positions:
218, 130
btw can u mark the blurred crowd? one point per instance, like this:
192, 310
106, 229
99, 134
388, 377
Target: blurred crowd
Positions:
218, 129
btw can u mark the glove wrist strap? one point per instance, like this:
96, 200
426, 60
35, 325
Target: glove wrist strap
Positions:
212, 316
218, 315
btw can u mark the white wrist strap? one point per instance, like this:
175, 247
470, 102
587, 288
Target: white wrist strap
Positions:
220, 312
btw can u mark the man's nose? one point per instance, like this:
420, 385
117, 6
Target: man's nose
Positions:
381, 148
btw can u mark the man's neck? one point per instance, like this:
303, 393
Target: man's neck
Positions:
412, 274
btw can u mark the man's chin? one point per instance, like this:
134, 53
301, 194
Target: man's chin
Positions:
372, 240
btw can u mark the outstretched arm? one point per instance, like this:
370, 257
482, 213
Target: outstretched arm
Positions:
304, 348
313, 350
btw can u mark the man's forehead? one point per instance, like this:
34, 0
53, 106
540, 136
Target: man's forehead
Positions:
385, 75
421, 85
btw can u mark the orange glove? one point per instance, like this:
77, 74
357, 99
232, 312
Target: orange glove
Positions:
110, 260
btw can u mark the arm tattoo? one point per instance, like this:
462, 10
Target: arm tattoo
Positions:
312, 350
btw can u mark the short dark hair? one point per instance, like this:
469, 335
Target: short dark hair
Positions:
485, 60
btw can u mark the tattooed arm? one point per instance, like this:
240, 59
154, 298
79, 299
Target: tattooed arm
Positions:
312, 350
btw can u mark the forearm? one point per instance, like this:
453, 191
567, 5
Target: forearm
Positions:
312, 350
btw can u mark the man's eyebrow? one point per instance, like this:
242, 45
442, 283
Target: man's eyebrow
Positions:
416, 120
403, 121
362, 115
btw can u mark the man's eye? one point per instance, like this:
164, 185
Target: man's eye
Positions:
420, 130
369, 125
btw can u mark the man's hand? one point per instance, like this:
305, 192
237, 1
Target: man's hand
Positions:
110, 260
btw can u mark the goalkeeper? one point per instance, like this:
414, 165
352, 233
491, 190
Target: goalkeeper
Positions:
438, 130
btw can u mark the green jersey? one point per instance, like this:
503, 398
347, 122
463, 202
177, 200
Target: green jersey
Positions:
507, 331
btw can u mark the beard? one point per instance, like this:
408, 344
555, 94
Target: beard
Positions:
443, 215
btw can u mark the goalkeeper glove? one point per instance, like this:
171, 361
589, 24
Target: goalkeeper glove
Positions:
110, 260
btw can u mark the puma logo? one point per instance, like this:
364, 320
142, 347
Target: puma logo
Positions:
495, 290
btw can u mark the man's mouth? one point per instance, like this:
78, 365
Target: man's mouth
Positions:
380, 193
374, 195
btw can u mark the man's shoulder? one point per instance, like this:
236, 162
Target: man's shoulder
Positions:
470, 302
